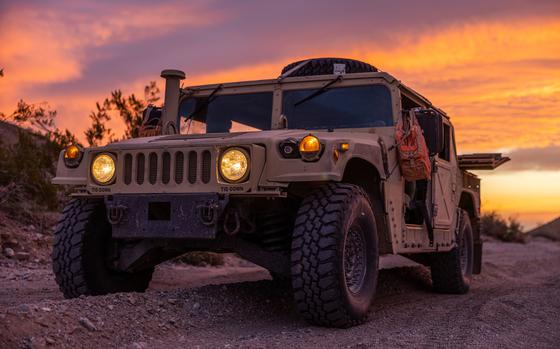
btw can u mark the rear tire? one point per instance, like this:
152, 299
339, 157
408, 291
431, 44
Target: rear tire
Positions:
335, 256
82, 241
452, 271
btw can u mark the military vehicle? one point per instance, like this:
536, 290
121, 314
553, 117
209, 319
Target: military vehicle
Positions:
298, 174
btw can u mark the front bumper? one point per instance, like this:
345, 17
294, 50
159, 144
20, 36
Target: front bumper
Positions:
165, 216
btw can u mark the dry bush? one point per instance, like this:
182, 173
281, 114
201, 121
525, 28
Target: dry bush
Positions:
26, 170
510, 230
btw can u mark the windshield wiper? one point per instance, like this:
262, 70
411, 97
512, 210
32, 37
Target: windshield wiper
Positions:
208, 100
319, 91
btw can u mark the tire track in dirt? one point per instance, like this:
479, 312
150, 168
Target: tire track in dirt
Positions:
514, 303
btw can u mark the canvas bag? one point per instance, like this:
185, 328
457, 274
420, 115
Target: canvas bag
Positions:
414, 157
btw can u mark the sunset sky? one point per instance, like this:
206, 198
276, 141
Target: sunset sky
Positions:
493, 65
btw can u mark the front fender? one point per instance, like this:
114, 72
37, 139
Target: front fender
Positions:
330, 167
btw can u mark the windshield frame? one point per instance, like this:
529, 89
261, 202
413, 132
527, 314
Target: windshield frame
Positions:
299, 83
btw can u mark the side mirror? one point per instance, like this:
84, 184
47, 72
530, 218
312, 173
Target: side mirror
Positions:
151, 122
431, 123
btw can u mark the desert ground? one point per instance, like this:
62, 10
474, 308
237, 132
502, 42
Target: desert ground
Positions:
514, 303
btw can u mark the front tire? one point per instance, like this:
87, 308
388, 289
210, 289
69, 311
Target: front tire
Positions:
335, 256
452, 271
82, 241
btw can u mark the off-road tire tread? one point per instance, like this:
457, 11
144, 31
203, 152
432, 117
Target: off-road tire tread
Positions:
446, 269
314, 255
68, 257
324, 66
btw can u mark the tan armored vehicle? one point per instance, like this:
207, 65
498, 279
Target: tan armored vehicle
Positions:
299, 174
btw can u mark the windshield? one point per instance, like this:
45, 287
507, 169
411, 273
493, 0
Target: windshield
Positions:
342, 107
226, 113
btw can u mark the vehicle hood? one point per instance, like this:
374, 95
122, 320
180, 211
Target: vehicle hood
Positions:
211, 139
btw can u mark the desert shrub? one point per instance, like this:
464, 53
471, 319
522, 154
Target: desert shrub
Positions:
26, 170
510, 230
201, 259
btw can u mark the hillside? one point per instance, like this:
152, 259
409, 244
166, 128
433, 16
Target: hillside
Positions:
550, 230
28, 201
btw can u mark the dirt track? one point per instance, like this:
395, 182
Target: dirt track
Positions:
514, 303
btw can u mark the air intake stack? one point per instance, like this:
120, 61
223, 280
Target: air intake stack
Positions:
171, 104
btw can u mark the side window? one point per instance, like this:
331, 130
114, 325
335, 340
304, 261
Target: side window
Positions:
446, 152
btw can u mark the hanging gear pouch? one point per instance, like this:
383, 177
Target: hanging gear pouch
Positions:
414, 157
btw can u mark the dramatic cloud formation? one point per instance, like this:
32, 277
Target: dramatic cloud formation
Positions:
494, 65
534, 159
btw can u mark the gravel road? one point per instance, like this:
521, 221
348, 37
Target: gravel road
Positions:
515, 303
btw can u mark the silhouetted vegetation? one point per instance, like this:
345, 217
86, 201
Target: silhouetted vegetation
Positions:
28, 163
509, 230
26, 170
129, 108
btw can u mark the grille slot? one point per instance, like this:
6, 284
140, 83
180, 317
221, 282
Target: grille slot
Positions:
206, 166
193, 157
152, 175
167, 167
141, 160
179, 167
127, 169
166, 171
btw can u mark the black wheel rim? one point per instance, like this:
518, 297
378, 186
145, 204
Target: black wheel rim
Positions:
355, 259
464, 255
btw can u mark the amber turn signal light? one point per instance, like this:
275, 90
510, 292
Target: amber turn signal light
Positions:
73, 156
72, 152
344, 147
310, 148
309, 144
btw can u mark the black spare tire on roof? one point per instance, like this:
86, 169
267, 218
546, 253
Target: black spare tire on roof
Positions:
326, 66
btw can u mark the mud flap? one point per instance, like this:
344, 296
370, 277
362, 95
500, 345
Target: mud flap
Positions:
477, 251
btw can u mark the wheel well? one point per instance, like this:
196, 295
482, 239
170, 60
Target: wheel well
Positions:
362, 173
467, 203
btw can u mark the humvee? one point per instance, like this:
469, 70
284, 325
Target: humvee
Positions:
298, 174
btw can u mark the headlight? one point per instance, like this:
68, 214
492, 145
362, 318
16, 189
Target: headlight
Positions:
103, 168
234, 165
72, 156
310, 148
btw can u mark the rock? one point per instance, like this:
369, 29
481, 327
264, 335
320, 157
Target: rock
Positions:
22, 256
49, 341
84, 321
8, 252
139, 345
196, 306
47, 309
111, 307
24, 308
172, 301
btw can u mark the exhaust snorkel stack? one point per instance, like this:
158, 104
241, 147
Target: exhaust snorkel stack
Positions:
171, 104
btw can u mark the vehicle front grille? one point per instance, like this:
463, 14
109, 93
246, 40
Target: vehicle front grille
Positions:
168, 167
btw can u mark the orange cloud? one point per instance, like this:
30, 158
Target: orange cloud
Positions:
45, 46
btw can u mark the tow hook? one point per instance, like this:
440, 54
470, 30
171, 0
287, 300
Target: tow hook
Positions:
115, 214
208, 213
